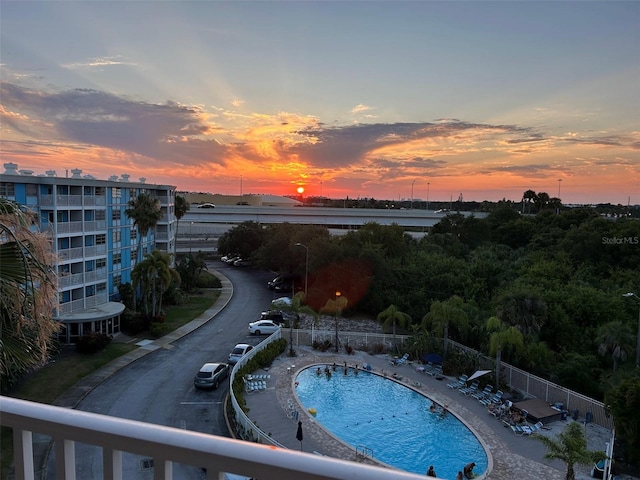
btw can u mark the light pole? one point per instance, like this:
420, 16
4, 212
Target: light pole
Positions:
190, 237
428, 183
412, 182
336, 313
633, 295
306, 269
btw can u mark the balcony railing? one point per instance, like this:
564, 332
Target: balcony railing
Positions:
166, 446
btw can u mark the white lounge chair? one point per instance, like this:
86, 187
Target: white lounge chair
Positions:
400, 361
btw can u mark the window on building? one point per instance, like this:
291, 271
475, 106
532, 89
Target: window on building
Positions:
7, 189
116, 214
117, 257
101, 262
134, 234
117, 236
117, 280
101, 214
101, 288
116, 195
89, 291
101, 239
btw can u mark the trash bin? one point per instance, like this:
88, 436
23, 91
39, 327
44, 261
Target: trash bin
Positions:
588, 417
563, 415
575, 414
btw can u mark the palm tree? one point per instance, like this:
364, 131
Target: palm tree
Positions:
146, 213
392, 316
335, 306
296, 307
615, 338
154, 276
571, 448
181, 207
529, 197
502, 336
442, 315
27, 292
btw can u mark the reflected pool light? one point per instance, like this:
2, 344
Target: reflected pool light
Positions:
390, 419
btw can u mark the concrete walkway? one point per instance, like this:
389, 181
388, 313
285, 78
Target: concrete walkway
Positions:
512, 457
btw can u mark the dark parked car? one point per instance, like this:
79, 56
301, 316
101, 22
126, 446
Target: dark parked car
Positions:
277, 316
210, 375
281, 279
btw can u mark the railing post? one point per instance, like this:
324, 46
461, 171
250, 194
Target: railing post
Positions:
23, 448
112, 464
65, 459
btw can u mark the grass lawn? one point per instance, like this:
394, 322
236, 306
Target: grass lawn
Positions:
48, 383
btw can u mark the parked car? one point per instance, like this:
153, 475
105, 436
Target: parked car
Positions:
263, 327
241, 262
210, 375
207, 205
282, 278
278, 317
239, 351
288, 286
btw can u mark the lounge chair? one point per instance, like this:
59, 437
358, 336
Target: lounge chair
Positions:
436, 371
461, 382
495, 399
400, 361
529, 429
488, 389
470, 389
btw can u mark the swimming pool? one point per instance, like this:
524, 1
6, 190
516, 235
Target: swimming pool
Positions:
394, 421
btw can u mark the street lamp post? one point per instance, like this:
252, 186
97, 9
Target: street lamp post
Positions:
336, 313
633, 295
190, 237
428, 183
306, 269
412, 194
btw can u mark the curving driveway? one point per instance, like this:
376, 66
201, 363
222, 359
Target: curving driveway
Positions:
158, 387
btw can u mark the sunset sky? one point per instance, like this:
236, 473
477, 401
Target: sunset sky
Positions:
359, 99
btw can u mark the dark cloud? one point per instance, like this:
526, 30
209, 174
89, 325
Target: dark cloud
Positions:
608, 141
167, 133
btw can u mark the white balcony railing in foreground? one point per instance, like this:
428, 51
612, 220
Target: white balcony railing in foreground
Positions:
166, 446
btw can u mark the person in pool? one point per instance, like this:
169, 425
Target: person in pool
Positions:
468, 470
431, 472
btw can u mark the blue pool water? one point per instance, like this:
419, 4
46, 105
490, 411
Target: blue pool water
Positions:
392, 420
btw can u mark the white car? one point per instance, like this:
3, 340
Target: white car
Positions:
263, 327
239, 351
207, 205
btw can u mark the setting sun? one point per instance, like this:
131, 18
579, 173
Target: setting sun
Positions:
300, 190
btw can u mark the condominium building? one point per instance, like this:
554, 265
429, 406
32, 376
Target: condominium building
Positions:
94, 241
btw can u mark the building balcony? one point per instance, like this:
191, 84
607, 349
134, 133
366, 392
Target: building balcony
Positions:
167, 449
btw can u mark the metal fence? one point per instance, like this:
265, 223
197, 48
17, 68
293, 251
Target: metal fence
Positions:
530, 385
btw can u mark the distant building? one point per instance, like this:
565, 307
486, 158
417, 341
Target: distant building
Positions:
94, 240
253, 200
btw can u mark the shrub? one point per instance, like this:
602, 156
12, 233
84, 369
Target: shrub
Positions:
208, 280
159, 329
133, 322
92, 343
322, 346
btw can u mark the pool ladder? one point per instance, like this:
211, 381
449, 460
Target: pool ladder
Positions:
363, 452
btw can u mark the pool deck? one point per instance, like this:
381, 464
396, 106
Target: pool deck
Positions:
511, 456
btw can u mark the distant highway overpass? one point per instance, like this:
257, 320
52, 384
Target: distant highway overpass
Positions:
200, 229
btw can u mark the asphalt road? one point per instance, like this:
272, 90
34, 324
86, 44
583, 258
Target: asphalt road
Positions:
158, 388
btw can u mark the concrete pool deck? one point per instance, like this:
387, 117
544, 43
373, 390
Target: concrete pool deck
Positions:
511, 456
